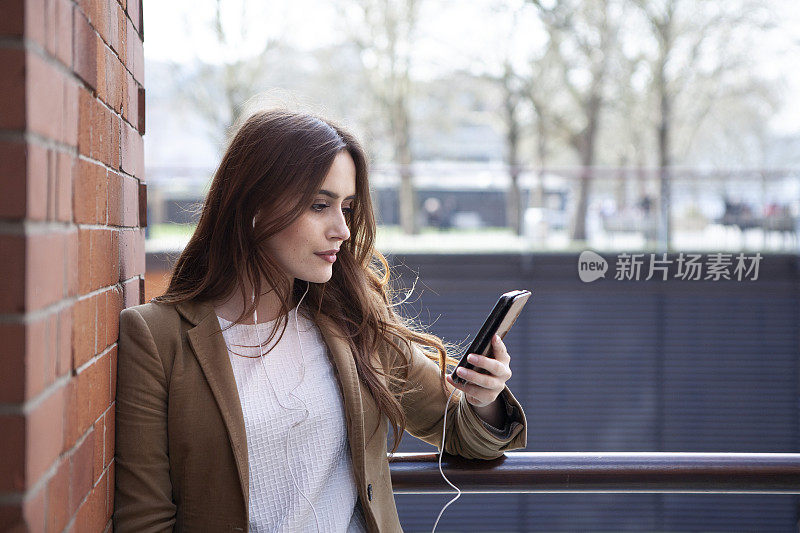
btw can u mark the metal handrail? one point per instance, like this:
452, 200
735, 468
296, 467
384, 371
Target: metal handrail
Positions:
529, 472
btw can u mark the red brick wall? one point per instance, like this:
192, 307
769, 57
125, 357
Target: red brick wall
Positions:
72, 200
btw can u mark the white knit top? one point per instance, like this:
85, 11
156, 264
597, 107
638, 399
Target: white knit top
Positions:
293, 398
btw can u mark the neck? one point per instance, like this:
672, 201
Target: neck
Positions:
269, 305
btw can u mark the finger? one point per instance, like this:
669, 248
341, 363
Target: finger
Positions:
499, 350
485, 381
490, 364
475, 395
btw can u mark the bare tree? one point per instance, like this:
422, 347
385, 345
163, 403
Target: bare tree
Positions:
582, 37
694, 56
216, 91
385, 34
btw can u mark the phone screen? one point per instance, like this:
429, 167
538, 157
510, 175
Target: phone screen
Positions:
505, 313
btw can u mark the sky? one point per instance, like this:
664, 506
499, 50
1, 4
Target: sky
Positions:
179, 31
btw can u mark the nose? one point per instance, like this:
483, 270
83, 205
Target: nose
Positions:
339, 229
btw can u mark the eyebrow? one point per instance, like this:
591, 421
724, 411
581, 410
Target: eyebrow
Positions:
335, 196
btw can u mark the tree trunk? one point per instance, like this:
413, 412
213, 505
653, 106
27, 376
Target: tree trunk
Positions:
407, 193
586, 146
664, 200
514, 201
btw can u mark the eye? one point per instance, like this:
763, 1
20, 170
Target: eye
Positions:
319, 207
347, 210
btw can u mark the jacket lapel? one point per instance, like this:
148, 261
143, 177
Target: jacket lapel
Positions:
212, 354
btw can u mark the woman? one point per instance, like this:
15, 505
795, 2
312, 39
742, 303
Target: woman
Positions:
257, 392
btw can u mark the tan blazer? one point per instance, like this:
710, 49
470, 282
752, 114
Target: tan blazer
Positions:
181, 447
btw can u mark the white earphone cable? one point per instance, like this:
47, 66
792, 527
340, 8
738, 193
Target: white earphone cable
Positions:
441, 451
304, 408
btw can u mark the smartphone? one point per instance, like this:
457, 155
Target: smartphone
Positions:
505, 313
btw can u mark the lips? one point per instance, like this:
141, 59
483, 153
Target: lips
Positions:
328, 255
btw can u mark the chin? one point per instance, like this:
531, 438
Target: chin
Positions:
318, 277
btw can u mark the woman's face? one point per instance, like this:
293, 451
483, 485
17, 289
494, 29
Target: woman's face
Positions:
307, 248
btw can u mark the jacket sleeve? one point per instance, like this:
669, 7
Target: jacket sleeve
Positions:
142, 487
467, 434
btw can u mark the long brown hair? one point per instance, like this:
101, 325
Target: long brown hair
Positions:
270, 172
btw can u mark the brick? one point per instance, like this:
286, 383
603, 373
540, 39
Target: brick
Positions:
65, 163
36, 183
49, 27
114, 274
12, 23
142, 204
63, 29
108, 446
72, 430
114, 10
101, 65
131, 109
99, 442
35, 21
33, 510
12, 272
92, 514
89, 193
110, 500
58, 512
84, 330
69, 123
84, 58
114, 146
130, 201
100, 18
134, 7
131, 151
33, 356
130, 37
85, 108
113, 308
14, 199
71, 264
84, 260
122, 30
112, 360
131, 253
114, 201
102, 133
45, 434
93, 392
12, 87
64, 342
141, 108
27, 359
130, 291
44, 97
50, 190
42, 287
11, 519
114, 81
138, 59
80, 472
12, 363
12, 450
100, 258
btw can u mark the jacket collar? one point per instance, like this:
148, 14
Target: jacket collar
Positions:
211, 352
